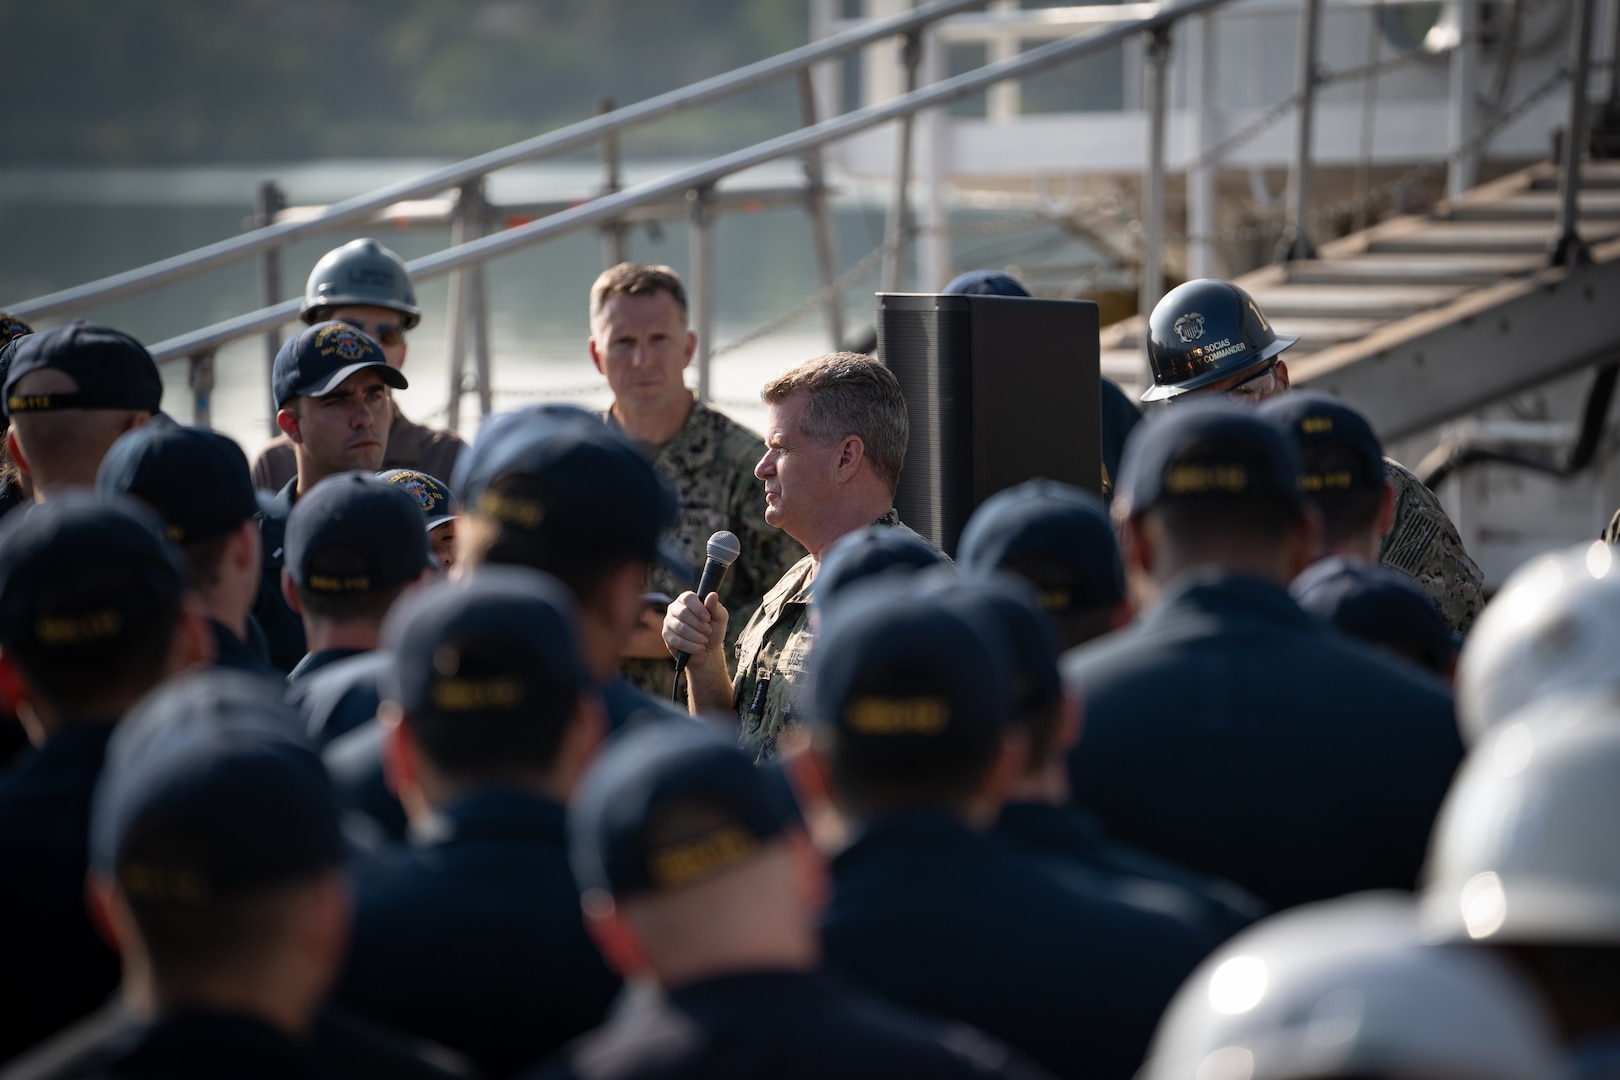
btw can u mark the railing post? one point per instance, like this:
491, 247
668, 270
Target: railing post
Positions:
267, 203
1296, 239
1151, 284
1205, 128
820, 220
1464, 75
702, 278
615, 235
1569, 249
467, 225
894, 262
200, 377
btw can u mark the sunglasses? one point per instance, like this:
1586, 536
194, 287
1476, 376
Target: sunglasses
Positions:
389, 333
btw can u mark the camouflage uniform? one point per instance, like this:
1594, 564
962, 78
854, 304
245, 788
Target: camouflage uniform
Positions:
769, 689
1423, 544
410, 446
710, 464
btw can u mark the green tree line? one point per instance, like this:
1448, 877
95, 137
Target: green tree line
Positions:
132, 82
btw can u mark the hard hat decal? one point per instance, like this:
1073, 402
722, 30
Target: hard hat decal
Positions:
1190, 327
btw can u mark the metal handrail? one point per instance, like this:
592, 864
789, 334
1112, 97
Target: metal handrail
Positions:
704, 175
563, 140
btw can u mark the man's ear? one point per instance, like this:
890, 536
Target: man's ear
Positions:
1281, 374
596, 354
1386, 510
615, 937
193, 644
582, 738
1071, 721
287, 421
289, 592
398, 750
14, 695
14, 448
851, 452
100, 901
691, 348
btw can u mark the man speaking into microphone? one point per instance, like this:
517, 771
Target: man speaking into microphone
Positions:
834, 443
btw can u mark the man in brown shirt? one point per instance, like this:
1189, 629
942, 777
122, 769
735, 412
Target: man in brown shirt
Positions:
365, 285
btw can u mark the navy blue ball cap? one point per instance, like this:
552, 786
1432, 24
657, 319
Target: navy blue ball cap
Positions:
208, 793
1055, 536
1208, 449
81, 576
898, 668
198, 481
1011, 610
316, 361
438, 504
870, 552
1379, 605
1340, 450
574, 485
986, 283
499, 647
670, 805
109, 369
352, 533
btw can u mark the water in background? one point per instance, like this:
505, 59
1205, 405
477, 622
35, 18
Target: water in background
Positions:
64, 227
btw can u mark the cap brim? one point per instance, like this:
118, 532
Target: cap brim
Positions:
443, 519
321, 387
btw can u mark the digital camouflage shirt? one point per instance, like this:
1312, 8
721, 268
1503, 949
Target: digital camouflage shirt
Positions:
1423, 544
710, 465
769, 690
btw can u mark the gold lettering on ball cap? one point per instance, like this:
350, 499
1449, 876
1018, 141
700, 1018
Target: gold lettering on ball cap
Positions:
469, 695
1333, 481
528, 513
148, 881
79, 629
898, 716
324, 583
1199, 479
680, 864
1316, 425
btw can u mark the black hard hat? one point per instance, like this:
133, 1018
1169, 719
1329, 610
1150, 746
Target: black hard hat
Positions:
1205, 331
361, 273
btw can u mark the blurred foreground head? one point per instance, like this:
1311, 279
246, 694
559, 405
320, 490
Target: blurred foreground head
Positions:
1345, 988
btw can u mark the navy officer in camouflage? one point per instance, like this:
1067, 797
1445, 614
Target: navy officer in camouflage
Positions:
835, 442
1208, 338
641, 343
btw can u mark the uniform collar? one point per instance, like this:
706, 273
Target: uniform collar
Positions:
187, 1041
723, 999
496, 814
313, 662
232, 652
1070, 827
1224, 593
917, 830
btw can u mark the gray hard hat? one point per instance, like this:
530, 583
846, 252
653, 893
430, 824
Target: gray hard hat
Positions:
361, 273
1346, 988
1550, 631
1524, 851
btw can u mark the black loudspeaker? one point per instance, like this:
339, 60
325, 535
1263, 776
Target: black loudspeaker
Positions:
1000, 390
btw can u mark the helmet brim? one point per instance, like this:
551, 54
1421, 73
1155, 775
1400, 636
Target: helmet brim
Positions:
1160, 392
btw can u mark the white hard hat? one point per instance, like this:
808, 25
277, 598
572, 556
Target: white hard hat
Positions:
1346, 988
1552, 629
1525, 848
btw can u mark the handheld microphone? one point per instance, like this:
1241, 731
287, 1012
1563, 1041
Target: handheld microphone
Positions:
724, 547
